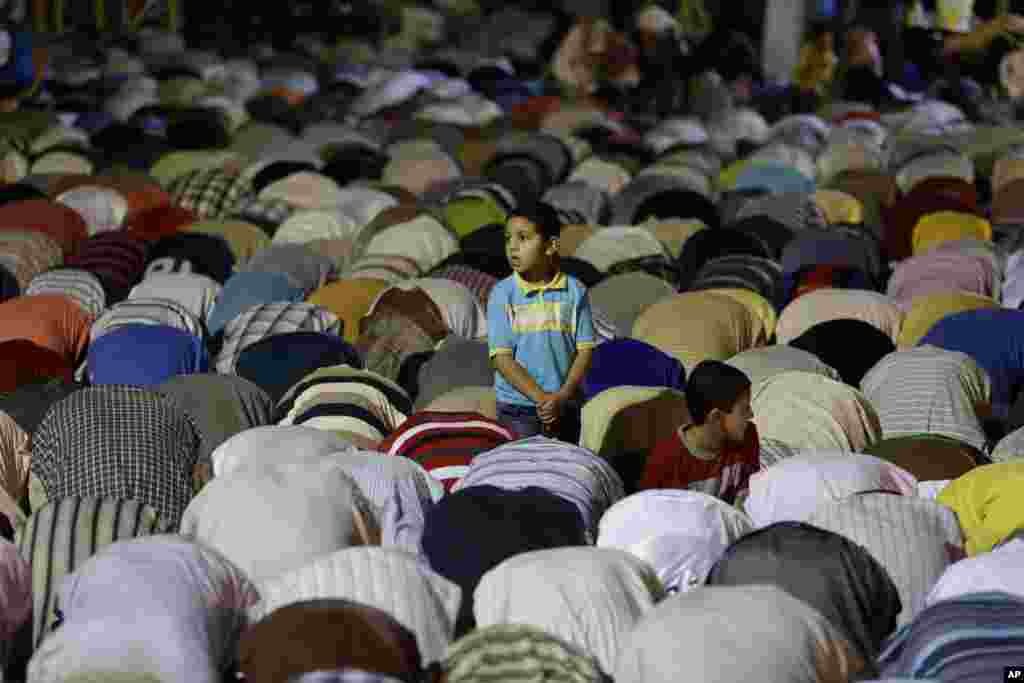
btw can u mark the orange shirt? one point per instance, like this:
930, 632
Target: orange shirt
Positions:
52, 321
670, 465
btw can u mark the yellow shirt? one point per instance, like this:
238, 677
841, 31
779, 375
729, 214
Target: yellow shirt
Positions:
988, 502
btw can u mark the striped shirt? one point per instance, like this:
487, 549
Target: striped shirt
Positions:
197, 293
117, 259
62, 535
971, 639
385, 578
400, 492
264, 320
570, 472
928, 390
914, 539
445, 443
389, 402
148, 312
80, 285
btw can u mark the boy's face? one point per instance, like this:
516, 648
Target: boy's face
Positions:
527, 251
736, 421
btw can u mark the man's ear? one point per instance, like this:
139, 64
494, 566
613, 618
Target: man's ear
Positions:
553, 246
715, 416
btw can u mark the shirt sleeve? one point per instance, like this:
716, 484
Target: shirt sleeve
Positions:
500, 338
585, 337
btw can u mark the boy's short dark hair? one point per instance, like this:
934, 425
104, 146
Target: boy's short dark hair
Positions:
543, 216
714, 384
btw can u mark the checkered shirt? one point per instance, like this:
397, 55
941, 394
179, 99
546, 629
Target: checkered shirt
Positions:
118, 441
211, 193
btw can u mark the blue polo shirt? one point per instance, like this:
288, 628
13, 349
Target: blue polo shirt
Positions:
542, 326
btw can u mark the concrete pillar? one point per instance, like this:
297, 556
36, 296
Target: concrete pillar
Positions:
784, 25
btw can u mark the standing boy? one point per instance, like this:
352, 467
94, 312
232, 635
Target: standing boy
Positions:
540, 331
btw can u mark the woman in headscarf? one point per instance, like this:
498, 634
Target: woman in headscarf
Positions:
497, 524
124, 442
275, 518
517, 653
969, 639
792, 490
830, 573
730, 633
114, 620
329, 633
850, 346
681, 534
591, 597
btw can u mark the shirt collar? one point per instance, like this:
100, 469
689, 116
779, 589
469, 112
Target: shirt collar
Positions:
559, 281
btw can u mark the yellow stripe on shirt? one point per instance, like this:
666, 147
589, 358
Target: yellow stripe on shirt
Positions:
541, 316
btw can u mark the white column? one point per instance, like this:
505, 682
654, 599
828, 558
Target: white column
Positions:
784, 23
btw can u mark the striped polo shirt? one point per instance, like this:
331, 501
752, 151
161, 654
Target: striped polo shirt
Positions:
542, 326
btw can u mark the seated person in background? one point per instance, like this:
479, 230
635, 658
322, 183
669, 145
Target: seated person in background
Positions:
818, 61
953, 40
718, 451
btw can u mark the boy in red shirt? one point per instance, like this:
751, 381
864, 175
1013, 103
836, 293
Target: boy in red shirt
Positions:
717, 452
